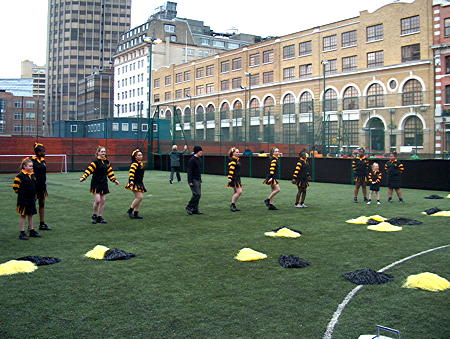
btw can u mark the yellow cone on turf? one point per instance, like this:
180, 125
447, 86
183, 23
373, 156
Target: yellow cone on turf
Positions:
384, 227
427, 281
17, 266
441, 214
360, 220
448, 196
377, 217
247, 254
283, 233
97, 253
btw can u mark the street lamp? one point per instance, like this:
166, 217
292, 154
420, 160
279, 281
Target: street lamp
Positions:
324, 64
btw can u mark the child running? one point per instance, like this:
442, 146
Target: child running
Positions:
136, 183
25, 187
271, 178
394, 170
375, 182
234, 177
360, 166
40, 172
101, 170
300, 179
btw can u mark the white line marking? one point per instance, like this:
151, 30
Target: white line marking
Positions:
330, 328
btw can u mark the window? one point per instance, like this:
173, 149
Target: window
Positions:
134, 127
224, 66
205, 42
349, 63
254, 79
187, 92
305, 70
200, 72
236, 83
413, 131
155, 98
375, 33
447, 94
411, 52
18, 104
410, 25
447, 27
375, 96
267, 77
125, 126
288, 73
173, 38
254, 59
199, 90
330, 100
348, 39
167, 96
306, 103
375, 59
178, 94
351, 132
209, 70
288, 51
169, 28
168, 80
187, 76
218, 43
29, 104
330, 67
30, 116
412, 93
305, 48
224, 85
268, 56
115, 127
17, 115
178, 77
190, 51
232, 45
329, 43
144, 127
17, 128
210, 88
350, 98
236, 64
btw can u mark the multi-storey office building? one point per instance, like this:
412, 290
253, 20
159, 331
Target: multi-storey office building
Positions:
182, 40
30, 70
377, 75
82, 38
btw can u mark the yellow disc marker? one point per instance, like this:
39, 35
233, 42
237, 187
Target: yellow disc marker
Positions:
17, 266
427, 281
97, 253
247, 254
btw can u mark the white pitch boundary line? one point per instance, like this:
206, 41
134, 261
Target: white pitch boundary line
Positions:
330, 328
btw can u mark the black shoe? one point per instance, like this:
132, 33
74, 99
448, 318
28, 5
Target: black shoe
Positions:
23, 236
100, 220
44, 227
389, 199
355, 199
34, 234
170, 181
365, 199
94, 218
197, 212
233, 208
136, 216
401, 200
272, 207
188, 210
267, 202
130, 213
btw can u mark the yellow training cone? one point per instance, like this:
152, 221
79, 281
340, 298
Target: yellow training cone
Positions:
97, 253
360, 220
377, 217
17, 266
427, 281
283, 233
247, 254
441, 214
384, 227
448, 196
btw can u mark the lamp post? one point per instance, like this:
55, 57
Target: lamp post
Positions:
192, 121
150, 42
324, 64
249, 87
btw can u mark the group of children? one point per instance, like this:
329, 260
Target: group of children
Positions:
30, 183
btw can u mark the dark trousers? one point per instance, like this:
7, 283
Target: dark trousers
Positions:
177, 170
196, 189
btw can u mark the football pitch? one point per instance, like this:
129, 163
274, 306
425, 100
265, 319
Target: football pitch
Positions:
184, 281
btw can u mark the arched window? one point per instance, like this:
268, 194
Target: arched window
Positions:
269, 104
210, 112
168, 115
330, 100
375, 96
237, 110
306, 103
254, 107
288, 104
199, 115
413, 131
187, 114
350, 98
224, 110
412, 93
177, 115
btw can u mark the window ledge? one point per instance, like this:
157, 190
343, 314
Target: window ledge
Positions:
330, 50
350, 46
289, 58
412, 33
371, 41
304, 55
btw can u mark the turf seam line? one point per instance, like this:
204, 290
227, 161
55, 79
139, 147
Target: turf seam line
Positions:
331, 325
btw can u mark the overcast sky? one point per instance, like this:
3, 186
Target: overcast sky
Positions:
23, 24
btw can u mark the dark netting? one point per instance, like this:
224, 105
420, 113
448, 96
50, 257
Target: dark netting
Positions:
432, 210
116, 254
434, 196
291, 261
372, 222
367, 277
40, 261
279, 228
403, 221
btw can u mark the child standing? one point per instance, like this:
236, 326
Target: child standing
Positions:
234, 177
375, 182
300, 179
394, 170
25, 187
101, 170
136, 183
271, 178
40, 172
360, 166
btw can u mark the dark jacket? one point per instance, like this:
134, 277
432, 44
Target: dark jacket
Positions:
193, 169
175, 158
360, 166
40, 170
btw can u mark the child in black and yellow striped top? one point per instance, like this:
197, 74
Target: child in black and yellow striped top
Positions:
136, 183
234, 177
300, 178
271, 178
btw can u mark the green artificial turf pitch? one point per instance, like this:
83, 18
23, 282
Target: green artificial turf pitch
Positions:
184, 282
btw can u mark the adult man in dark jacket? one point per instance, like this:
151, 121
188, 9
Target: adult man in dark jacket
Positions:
194, 179
175, 162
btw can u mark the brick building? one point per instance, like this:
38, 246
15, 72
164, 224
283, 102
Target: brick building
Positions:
377, 74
